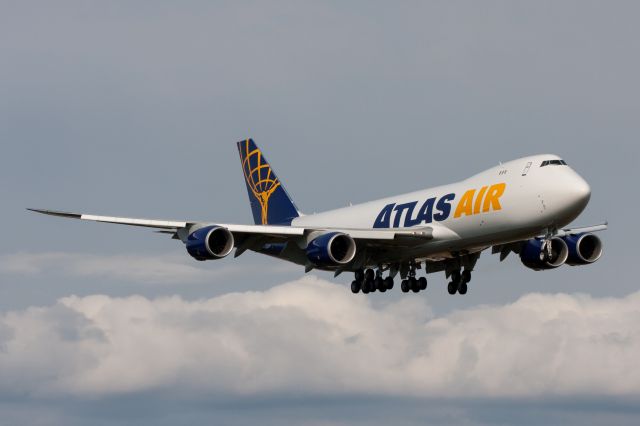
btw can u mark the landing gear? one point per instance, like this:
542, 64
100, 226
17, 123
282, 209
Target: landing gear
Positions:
422, 281
388, 282
369, 284
459, 282
370, 281
411, 283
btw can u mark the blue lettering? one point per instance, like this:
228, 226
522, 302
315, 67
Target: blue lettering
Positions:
399, 209
384, 217
444, 206
425, 215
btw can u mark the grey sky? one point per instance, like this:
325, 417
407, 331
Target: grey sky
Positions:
133, 109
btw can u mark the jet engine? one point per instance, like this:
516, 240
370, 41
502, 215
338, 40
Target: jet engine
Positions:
211, 242
583, 249
331, 249
535, 254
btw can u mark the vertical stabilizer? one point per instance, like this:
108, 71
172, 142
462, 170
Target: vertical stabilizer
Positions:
270, 202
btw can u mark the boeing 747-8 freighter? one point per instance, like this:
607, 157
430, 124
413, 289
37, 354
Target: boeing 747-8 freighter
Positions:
520, 206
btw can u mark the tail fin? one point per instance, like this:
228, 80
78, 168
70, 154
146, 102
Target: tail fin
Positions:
270, 202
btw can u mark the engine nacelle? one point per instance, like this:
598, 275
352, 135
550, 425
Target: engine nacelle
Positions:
331, 249
211, 242
583, 249
533, 256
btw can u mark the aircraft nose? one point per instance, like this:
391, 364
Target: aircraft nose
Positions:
579, 191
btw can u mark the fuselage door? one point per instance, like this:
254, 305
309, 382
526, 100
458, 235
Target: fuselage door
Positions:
526, 169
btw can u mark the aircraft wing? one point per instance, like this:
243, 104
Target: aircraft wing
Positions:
585, 229
409, 236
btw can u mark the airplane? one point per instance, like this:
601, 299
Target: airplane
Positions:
520, 206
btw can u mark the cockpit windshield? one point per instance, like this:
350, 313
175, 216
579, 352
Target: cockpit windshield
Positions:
553, 163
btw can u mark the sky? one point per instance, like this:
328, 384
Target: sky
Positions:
134, 108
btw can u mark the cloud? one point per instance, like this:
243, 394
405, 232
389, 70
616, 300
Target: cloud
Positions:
145, 269
310, 337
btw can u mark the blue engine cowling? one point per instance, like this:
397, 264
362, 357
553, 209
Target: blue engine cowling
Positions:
583, 249
533, 256
331, 249
211, 242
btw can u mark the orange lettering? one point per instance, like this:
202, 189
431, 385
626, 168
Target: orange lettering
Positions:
466, 204
492, 200
478, 203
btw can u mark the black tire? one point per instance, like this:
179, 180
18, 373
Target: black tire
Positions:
365, 287
452, 288
359, 275
388, 282
415, 286
355, 287
372, 286
462, 289
466, 276
404, 286
379, 284
369, 275
455, 276
422, 281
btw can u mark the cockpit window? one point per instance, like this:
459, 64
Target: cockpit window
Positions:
553, 163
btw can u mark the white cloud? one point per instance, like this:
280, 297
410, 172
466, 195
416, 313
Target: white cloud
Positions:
313, 337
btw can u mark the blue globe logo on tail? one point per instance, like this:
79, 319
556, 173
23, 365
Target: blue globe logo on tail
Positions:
270, 202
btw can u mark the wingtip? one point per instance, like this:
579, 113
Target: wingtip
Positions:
56, 213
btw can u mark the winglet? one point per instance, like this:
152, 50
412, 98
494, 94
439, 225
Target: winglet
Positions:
57, 213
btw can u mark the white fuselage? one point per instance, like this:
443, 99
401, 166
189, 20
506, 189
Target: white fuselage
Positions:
525, 200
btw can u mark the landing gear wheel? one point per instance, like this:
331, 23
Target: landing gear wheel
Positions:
355, 287
404, 286
466, 276
369, 275
452, 288
415, 286
379, 284
367, 287
388, 282
372, 286
462, 289
359, 275
422, 281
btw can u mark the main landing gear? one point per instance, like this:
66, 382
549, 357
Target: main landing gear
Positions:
369, 281
459, 282
413, 284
